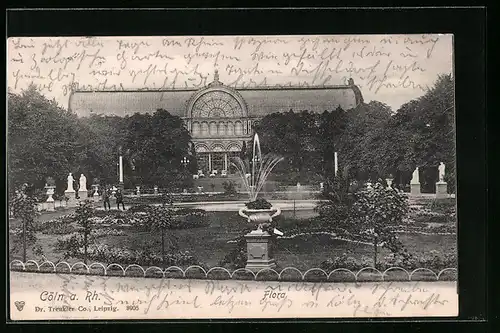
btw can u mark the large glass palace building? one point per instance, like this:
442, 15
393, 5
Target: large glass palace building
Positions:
219, 118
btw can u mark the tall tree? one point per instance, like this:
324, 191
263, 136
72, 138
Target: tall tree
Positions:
420, 134
361, 121
43, 140
104, 135
157, 143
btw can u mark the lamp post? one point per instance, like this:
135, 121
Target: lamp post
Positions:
120, 168
185, 162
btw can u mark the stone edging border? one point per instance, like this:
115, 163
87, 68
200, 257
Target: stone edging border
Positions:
134, 270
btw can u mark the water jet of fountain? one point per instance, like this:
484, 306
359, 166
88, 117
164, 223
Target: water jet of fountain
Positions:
261, 167
254, 177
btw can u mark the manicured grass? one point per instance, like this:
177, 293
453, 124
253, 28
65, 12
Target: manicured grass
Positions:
210, 244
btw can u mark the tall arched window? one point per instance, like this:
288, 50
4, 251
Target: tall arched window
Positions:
222, 128
195, 129
204, 129
213, 128
238, 128
230, 128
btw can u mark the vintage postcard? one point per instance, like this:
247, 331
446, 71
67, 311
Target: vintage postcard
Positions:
227, 177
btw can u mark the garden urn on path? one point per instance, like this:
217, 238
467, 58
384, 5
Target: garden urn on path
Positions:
50, 187
259, 247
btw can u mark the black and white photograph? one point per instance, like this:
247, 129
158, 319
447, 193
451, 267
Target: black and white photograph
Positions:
205, 177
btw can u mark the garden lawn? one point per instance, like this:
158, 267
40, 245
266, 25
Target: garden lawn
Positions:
211, 244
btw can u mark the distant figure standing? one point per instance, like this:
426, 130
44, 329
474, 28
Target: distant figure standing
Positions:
119, 200
105, 198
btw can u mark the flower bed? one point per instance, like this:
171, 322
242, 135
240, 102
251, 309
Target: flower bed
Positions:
105, 253
155, 199
58, 226
433, 260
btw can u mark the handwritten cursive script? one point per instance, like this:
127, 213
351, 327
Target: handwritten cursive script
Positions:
378, 63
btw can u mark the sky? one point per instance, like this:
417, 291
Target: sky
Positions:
392, 69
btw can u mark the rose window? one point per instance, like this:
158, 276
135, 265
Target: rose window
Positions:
216, 104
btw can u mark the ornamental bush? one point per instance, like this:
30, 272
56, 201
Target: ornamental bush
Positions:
111, 254
260, 203
22, 205
336, 201
229, 188
373, 213
433, 260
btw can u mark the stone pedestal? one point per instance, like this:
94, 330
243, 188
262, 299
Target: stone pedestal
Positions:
83, 195
155, 190
415, 188
138, 190
441, 190
72, 202
259, 251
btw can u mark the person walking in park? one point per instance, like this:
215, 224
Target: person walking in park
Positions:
105, 198
119, 200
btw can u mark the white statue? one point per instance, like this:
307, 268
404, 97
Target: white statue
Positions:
70, 183
441, 169
83, 183
415, 178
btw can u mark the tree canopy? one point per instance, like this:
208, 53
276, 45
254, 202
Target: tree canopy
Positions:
46, 140
372, 141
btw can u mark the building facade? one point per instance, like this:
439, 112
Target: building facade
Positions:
220, 118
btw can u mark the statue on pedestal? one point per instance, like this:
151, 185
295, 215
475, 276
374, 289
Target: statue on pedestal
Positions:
83, 183
70, 183
415, 183
441, 169
415, 177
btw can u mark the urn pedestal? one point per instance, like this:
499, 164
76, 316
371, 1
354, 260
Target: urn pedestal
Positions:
259, 246
51, 205
441, 190
259, 251
96, 196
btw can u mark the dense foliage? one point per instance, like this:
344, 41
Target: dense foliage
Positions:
22, 206
83, 218
259, 203
47, 140
372, 141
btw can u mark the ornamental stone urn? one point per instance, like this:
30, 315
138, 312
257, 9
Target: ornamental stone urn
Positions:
50, 200
259, 248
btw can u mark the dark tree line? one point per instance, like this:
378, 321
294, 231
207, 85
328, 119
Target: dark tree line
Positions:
372, 141
46, 140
